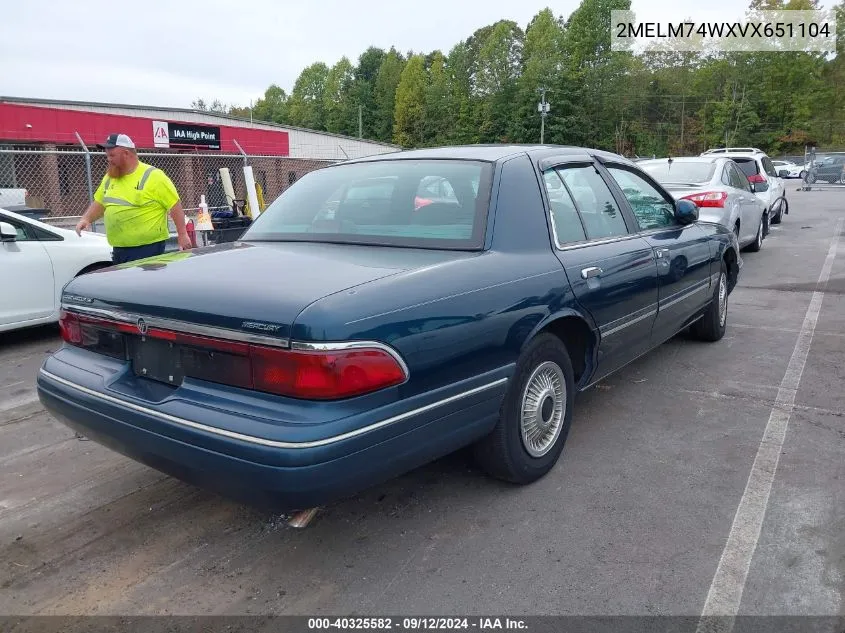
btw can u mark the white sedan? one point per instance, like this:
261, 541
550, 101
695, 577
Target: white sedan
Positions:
37, 261
788, 169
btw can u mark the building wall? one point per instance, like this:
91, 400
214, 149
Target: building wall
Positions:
254, 137
25, 123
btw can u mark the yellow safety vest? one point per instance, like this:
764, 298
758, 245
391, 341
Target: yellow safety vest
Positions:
136, 206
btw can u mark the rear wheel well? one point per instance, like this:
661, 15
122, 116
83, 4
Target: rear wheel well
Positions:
579, 340
731, 263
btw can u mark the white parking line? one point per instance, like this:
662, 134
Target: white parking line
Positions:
725, 593
18, 401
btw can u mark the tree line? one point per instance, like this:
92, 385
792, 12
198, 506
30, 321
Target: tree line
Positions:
486, 90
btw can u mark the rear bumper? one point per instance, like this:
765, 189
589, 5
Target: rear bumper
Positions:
282, 475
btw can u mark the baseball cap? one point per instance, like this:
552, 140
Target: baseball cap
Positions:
117, 140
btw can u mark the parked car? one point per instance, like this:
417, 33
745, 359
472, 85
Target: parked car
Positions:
829, 169
788, 169
37, 260
319, 355
720, 189
760, 171
12, 197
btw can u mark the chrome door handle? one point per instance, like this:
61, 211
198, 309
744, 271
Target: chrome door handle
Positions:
592, 271
661, 252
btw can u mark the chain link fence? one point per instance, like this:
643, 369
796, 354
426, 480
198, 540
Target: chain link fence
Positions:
817, 169
57, 185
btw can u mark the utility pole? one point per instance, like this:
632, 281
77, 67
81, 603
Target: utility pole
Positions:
543, 108
360, 121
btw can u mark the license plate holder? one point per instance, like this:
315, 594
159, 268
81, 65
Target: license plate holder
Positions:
157, 360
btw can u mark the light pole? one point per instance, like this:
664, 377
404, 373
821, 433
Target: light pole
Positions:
543, 108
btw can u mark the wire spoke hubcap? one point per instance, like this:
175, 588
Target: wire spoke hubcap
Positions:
543, 408
723, 300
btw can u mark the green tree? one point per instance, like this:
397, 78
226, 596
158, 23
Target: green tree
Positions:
459, 70
440, 116
273, 106
496, 76
340, 110
409, 116
541, 67
363, 92
384, 94
305, 106
596, 72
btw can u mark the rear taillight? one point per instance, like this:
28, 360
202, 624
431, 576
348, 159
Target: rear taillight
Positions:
708, 198
757, 178
323, 375
69, 328
94, 334
306, 374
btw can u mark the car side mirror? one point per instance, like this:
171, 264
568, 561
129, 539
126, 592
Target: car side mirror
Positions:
686, 211
7, 232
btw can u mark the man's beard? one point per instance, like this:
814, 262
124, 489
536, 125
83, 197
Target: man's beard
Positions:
116, 171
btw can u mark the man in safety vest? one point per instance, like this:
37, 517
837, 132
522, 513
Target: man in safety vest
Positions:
135, 199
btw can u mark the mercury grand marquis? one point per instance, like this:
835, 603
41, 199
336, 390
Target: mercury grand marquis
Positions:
387, 311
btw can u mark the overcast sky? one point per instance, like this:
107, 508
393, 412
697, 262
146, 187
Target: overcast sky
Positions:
170, 53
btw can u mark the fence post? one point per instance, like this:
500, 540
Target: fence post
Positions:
241, 150
87, 168
249, 182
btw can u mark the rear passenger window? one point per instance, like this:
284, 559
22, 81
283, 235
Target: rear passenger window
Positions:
598, 210
738, 179
567, 224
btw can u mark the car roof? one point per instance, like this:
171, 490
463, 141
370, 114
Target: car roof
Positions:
709, 158
734, 150
488, 152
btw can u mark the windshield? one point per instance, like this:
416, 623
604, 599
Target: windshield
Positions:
680, 171
414, 203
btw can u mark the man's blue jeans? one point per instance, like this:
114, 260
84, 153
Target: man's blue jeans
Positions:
124, 254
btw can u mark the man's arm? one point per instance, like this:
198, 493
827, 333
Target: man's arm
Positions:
93, 213
178, 216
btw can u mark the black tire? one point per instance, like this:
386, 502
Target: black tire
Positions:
503, 453
785, 206
757, 244
778, 217
710, 327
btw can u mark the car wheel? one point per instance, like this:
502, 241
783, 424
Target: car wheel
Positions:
784, 207
535, 416
802, 174
757, 244
712, 326
777, 217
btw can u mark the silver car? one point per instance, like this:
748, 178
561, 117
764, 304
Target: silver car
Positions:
720, 189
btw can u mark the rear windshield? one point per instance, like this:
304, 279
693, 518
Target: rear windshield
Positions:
680, 171
747, 165
415, 203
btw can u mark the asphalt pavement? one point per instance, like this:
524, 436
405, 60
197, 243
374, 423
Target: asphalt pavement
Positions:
703, 478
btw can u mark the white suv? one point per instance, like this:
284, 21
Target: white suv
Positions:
762, 175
